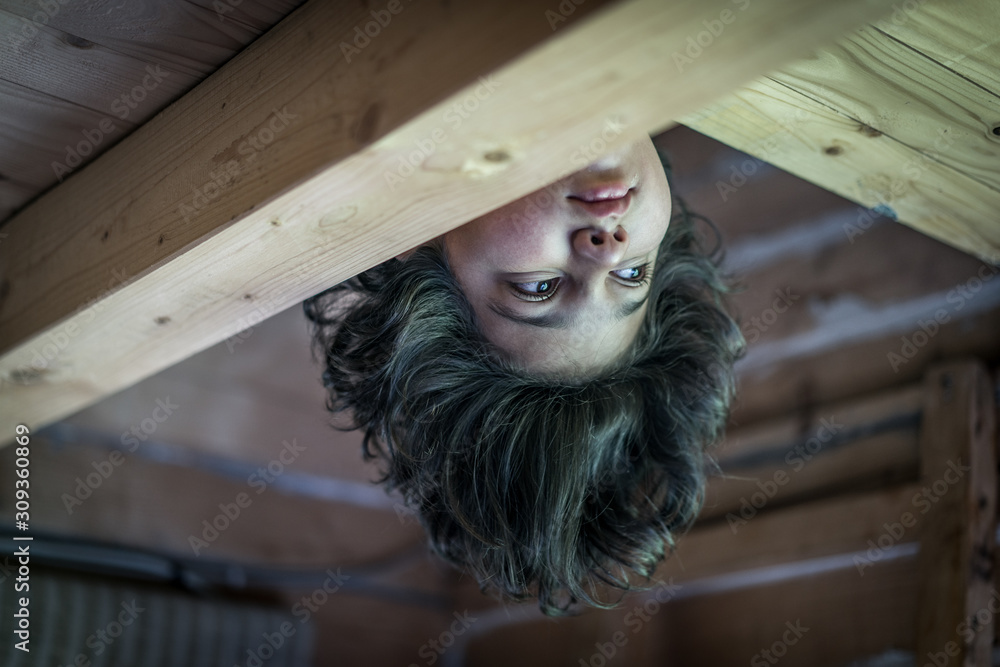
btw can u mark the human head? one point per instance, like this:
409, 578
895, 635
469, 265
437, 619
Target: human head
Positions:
558, 279
541, 485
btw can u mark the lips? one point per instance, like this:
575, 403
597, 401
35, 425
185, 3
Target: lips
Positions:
605, 200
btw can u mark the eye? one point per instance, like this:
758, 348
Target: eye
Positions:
635, 275
538, 290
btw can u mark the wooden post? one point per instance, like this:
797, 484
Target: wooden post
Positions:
956, 596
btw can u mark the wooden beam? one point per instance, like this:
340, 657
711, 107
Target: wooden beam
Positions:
286, 171
899, 117
843, 447
851, 620
955, 563
848, 526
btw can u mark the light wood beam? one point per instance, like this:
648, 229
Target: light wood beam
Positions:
276, 177
900, 116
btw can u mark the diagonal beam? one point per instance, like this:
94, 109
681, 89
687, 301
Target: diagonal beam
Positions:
288, 169
900, 117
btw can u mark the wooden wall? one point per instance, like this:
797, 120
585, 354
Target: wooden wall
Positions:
855, 300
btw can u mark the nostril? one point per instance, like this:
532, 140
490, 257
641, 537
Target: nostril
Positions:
620, 234
597, 239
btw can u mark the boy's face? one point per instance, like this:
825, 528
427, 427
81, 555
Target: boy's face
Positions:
558, 280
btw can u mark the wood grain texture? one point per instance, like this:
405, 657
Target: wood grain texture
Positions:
959, 471
837, 448
877, 121
13, 195
312, 207
148, 504
93, 76
857, 295
64, 62
850, 618
37, 130
185, 35
833, 150
912, 99
835, 526
961, 36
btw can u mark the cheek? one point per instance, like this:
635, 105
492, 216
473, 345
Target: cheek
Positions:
511, 239
656, 215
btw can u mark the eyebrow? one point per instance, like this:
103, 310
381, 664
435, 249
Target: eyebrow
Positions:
558, 320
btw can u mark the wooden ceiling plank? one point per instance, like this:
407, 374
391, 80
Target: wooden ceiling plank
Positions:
142, 259
255, 15
186, 36
39, 132
13, 195
56, 63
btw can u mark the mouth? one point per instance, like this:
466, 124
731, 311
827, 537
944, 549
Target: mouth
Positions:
605, 200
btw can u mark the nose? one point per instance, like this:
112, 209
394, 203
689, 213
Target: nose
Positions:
601, 245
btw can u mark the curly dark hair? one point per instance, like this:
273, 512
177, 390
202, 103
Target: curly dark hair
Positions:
539, 486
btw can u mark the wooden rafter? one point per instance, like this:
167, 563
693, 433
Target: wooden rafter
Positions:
900, 117
286, 171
